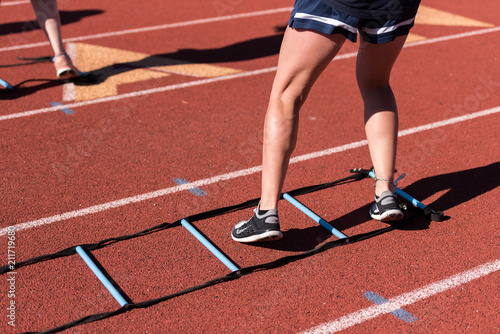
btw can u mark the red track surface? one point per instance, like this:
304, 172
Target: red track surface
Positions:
54, 163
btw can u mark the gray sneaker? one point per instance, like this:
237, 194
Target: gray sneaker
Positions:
386, 208
264, 227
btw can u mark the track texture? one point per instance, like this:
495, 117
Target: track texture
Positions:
181, 95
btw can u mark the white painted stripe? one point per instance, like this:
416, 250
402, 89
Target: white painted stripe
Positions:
230, 176
326, 20
68, 93
69, 88
152, 91
329, 151
227, 77
406, 299
133, 199
153, 28
402, 133
448, 121
13, 3
452, 37
384, 30
139, 93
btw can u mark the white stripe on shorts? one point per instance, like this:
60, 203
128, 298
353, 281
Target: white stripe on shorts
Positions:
383, 30
326, 20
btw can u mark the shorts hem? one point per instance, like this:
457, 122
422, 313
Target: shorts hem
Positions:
387, 37
318, 16
322, 28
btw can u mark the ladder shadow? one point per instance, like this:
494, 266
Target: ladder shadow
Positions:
460, 187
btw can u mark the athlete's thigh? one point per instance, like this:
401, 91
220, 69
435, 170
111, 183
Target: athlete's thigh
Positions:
375, 61
304, 55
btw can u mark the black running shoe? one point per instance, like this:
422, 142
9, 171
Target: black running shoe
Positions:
386, 208
264, 227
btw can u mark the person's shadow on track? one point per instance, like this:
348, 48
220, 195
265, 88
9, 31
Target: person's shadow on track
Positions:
67, 17
246, 50
460, 187
12, 28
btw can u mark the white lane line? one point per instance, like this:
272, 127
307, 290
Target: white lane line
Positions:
133, 199
232, 175
402, 133
449, 121
405, 299
222, 78
14, 3
452, 37
139, 93
69, 88
153, 28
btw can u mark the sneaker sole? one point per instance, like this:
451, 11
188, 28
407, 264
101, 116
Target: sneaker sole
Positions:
388, 216
265, 236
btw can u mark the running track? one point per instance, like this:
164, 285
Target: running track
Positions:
105, 166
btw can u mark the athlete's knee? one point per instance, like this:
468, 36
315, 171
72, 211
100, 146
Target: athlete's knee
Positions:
290, 97
375, 88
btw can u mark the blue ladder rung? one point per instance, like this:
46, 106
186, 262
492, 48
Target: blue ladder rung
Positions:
210, 247
314, 216
101, 277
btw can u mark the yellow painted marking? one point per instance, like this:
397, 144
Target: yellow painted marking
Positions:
414, 37
200, 70
117, 67
93, 57
431, 16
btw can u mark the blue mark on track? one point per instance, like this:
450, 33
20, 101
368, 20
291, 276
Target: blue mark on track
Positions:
399, 313
67, 111
195, 191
